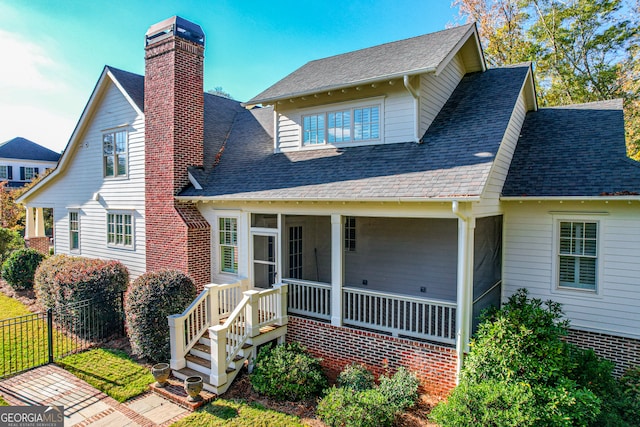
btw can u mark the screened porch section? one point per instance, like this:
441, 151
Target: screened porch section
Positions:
398, 275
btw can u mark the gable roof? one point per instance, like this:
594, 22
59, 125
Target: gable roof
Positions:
452, 163
24, 149
573, 151
133, 84
390, 60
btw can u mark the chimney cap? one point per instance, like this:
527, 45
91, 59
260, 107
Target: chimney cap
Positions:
175, 26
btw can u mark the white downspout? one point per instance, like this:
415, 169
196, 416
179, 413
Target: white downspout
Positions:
416, 106
464, 293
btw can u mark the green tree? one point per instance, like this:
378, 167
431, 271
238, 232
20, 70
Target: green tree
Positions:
582, 50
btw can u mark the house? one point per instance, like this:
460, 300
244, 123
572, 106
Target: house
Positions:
369, 205
22, 160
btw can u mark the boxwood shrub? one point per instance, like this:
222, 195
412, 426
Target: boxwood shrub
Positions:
288, 372
20, 267
61, 282
148, 301
356, 377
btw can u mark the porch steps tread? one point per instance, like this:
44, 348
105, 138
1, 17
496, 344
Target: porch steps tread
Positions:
246, 346
203, 348
198, 361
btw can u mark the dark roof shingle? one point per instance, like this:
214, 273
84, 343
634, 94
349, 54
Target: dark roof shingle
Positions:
575, 150
409, 56
24, 149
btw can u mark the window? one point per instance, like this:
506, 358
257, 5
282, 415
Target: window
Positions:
350, 234
577, 255
114, 149
29, 173
74, 231
355, 124
120, 229
4, 172
228, 230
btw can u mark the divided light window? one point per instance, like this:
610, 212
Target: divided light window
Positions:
114, 151
4, 172
120, 229
228, 230
74, 231
350, 234
577, 257
355, 124
30, 173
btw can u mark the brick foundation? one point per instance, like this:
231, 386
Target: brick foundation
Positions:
40, 244
624, 352
339, 346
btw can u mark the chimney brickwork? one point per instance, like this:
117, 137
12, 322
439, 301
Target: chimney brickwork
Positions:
178, 236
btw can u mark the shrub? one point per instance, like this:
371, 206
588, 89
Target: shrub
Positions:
149, 300
400, 390
355, 377
521, 345
63, 281
10, 241
630, 385
287, 372
343, 407
20, 267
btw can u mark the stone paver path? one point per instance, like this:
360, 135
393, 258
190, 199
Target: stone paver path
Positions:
85, 405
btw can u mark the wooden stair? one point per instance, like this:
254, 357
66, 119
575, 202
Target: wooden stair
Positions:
199, 357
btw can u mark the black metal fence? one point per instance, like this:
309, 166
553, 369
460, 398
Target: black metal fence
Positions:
40, 338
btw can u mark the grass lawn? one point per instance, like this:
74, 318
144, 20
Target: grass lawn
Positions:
111, 371
231, 413
24, 343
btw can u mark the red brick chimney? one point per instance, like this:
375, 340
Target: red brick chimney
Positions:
177, 235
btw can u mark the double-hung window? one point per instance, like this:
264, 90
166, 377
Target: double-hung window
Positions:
30, 173
228, 241
578, 255
114, 153
74, 231
350, 234
120, 230
347, 125
4, 172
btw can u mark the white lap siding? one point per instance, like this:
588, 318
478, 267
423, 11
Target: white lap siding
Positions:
529, 257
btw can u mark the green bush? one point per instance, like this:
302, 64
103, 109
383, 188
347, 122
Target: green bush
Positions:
356, 377
20, 267
400, 390
62, 281
343, 407
288, 372
148, 301
10, 241
630, 385
518, 355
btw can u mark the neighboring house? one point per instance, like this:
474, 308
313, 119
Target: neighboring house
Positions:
22, 160
397, 190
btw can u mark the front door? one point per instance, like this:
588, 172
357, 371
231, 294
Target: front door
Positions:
264, 259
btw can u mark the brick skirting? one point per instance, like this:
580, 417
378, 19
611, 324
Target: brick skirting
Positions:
339, 346
40, 244
624, 352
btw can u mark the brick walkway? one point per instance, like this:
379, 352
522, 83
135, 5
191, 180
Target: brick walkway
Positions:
83, 404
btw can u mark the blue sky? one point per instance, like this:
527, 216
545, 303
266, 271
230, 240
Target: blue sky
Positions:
53, 51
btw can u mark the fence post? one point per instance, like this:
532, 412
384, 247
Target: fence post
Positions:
50, 333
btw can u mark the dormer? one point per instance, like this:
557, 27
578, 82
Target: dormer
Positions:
380, 95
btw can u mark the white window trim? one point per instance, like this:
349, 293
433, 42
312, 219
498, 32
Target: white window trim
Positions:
4, 175
130, 247
555, 274
217, 245
377, 101
77, 212
127, 152
33, 174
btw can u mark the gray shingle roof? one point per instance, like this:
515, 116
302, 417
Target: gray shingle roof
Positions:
453, 161
133, 84
410, 56
576, 150
22, 148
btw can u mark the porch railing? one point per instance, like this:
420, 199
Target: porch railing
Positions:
309, 298
214, 303
400, 314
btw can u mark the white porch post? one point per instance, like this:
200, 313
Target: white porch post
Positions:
466, 228
176, 338
30, 224
39, 223
337, 268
